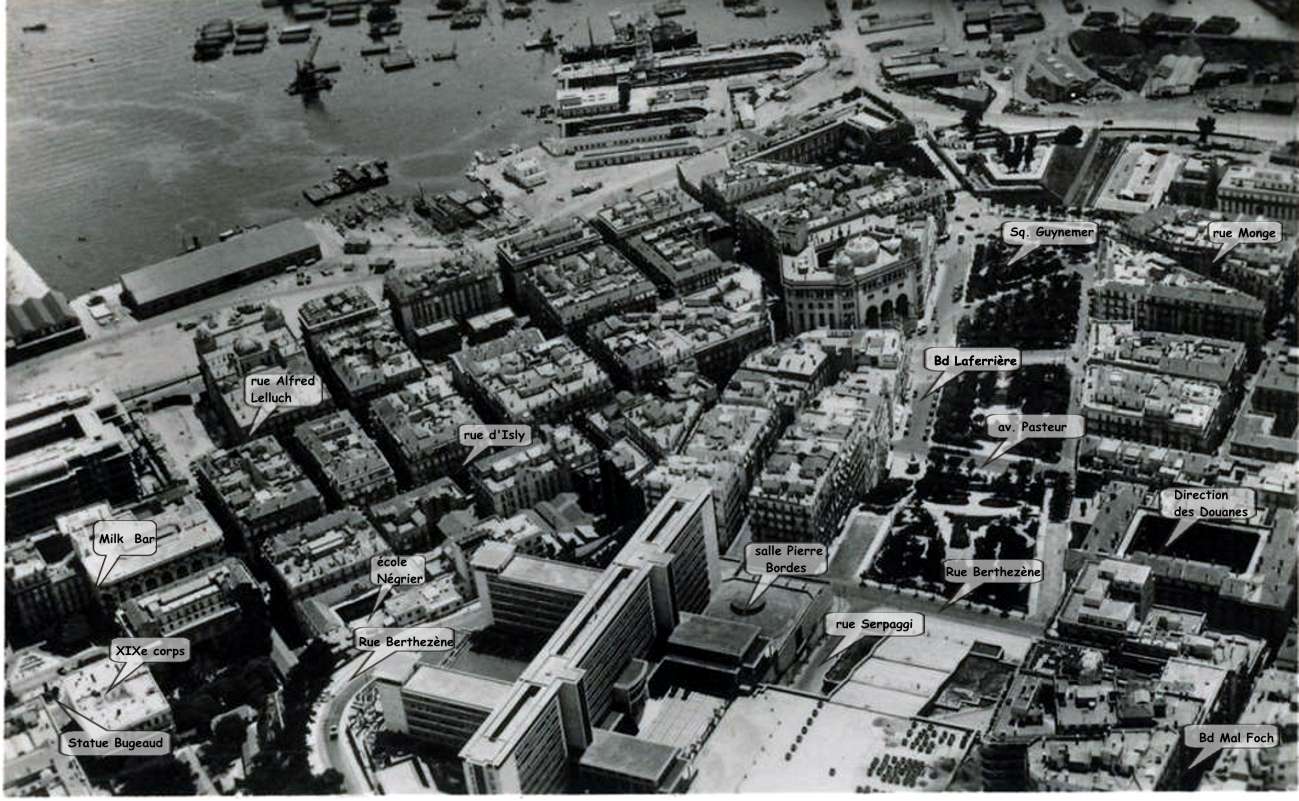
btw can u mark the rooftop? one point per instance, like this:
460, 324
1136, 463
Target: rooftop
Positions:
128, 706
689, 326
583, 284
566, 235
626, 755
367, 354
330, 547
464, 268
529, 376
1165, 399
467, 689
1214, 361
340, 447
424, 417
345, 305
622, 218
218, 260
256, 480
184, 527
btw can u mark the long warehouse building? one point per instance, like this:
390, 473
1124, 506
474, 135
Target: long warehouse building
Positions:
242, 259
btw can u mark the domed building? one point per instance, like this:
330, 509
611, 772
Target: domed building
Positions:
879, 277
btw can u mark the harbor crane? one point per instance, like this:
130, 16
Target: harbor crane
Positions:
308, 80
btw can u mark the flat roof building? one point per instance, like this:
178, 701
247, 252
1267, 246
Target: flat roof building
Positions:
1271, 191
337, 309
219, 267
1157, 295
712, 330
525, 378
526, 595
566, 294
523, 251
418, 427
188, 540
364, 360
1204, 359
1152, 407
255, 489
344, 461
727, 451
424, 297
200, 607
686, 254
831, 455
64, 450
137, 704
569, 685
626, 217
228, 354
34, 765
322, 554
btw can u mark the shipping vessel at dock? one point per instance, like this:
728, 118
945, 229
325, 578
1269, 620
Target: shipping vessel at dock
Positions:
678, 68
360, 177
665, 37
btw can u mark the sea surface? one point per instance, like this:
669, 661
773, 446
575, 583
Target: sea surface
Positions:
121, 147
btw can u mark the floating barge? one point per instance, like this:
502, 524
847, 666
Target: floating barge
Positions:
294, 34
360, 177
245, 45
399, 59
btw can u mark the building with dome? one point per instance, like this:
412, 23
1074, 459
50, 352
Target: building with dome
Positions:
878, 277
230, 350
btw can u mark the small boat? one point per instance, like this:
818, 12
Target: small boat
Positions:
546, 42
516, 11
39, 27
758, 10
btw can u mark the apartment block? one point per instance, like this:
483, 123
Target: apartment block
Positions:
343, 460
418, 428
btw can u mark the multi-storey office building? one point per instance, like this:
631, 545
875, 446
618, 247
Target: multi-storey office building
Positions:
428, 301
832, 454
64, 451
524, 251
667, 568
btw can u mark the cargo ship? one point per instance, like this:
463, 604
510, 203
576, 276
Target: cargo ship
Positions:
665, 37
360, 177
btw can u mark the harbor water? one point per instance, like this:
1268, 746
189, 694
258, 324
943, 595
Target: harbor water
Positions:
121, 147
